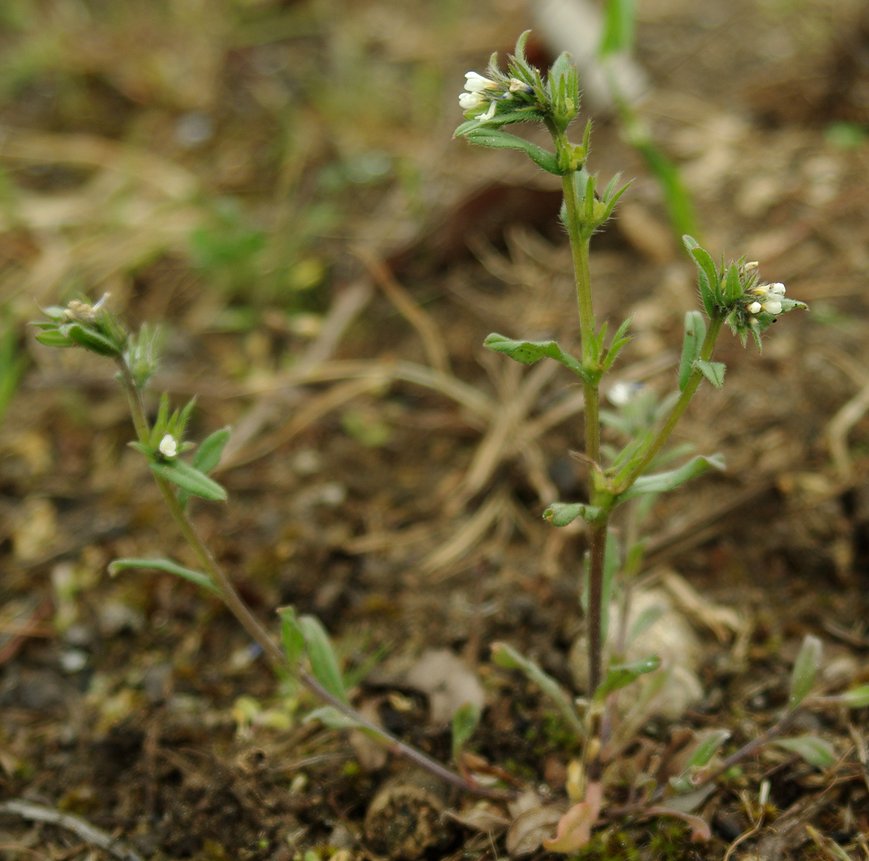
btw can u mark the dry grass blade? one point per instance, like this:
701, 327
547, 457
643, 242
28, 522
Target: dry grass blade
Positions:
433, 344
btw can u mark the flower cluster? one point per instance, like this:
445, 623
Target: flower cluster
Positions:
766, 298
481, 92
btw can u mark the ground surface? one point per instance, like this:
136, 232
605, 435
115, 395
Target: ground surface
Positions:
278, 184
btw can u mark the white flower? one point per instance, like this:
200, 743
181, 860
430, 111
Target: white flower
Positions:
769, 298
471, 101
168, 446
475, 83
489, 113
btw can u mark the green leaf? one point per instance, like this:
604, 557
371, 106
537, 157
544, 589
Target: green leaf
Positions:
621, 675
709, 744
168, 567
856, 698
189, 478
464, 723
618, 30
712, 371
529, 352
815, 751
331, 717
487, 136
676, 197
324, 664
708, 274
91, 340
207, 456
54, 338
661, 482
805, 670
564, 513
620, 339
695, 332
507, 657
732, 284
292, 636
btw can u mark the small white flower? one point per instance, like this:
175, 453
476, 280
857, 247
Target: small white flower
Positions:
475, 83
754, 308
772, 306
777, 289
489, 113
471, 101
168, 446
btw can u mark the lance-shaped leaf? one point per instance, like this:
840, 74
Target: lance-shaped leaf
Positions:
708, 745
507, 657
494, 138
292, 637
816, 751
712, 371
855, 698
620, 339
708, 274
465, 720
529, 352
330, 717
805, 670
167, 566
564, 513
189, 478
621, 675
661, 482
207, 455
695, 332
324, 664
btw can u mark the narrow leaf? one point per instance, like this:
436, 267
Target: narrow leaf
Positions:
324, 664
709, 744
856, 698
695, 332
661, 482
91, 340
331, 717
816, 751
529, 352
805, 669
189, 478
504, 655
464, 723
732, 284
168, 567
712, 371
621, 675
487, 136
292, 636
207, 456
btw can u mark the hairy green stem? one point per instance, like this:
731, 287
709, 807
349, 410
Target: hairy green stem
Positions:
260, 635
579, 246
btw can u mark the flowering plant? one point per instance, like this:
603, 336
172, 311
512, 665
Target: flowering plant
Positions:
729, 293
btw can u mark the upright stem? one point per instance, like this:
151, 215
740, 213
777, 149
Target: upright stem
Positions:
579, 246
260, 635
